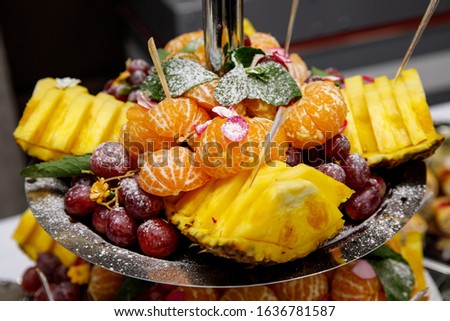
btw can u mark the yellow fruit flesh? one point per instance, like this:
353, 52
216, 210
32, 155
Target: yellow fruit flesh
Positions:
354, 86
60, 122
351, 131
281, 217
399, 118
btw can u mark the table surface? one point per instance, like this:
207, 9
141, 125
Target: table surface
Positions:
13, 261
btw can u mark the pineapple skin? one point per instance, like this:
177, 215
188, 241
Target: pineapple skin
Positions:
281, 217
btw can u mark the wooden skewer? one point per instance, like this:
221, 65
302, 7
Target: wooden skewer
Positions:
157, 63
287, 42
426, 18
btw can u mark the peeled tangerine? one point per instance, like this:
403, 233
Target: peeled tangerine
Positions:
229, 218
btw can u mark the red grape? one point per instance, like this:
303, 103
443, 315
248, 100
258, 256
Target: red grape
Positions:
41, 294
157, 238
293, 156
357, 171
378, 182
110, 159
247, 41
314, 156
30, 281
137, 77
362, 203
87, 180
120, 227
333, 170
337, 148
99, 218
77, 201
139, 204
48, 264
67, 291
138, 64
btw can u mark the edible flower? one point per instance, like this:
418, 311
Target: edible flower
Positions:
364, 270
99, 191
79, 273
66, 82
236, 127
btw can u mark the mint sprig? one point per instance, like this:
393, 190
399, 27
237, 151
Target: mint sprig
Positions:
244, 55
268, 81
68, 166
394, 273
181, 75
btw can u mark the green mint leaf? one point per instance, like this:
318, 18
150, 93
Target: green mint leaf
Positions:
394, 273
273, 84
244, 55
162, 54
192, 45
65, 167
233, 87
318, 72
181, 75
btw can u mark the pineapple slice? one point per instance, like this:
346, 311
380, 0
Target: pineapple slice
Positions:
32, 130
102, 116
390, 107
355, 90
351, 130
411, 119
380, 123
287, 216
59, 115
66, 132
419, 101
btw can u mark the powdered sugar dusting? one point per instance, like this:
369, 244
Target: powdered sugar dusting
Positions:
235, 128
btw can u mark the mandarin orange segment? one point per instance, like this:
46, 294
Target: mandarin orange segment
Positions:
264, 41
347, 286
169, 172
317, 116
254, 293
176, 117
175, 45
298, 68
220, 157
203, 95
259, 108
137, 136
312, 288
104, 285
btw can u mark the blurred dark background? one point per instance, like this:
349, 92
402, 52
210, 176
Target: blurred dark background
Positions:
91, 40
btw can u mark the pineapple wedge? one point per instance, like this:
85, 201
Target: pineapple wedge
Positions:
64, 121
289, 212
399, 118
354, 86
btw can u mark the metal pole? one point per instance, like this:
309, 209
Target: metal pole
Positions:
223, 30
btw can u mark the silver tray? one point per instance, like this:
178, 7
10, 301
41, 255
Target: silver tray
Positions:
406, 188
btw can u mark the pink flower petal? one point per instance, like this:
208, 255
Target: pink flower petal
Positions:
281, 57
144, 101
200, 128
235, 128
331, 78
225, 112
364, 270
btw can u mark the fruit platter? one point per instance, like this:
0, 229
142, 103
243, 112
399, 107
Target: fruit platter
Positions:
262, 171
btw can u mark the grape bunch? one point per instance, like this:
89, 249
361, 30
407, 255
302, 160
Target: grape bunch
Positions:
56, 274
126, 89
334, 159
117, 208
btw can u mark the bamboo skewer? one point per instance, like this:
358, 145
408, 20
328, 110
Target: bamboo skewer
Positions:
426, 18
157, 63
